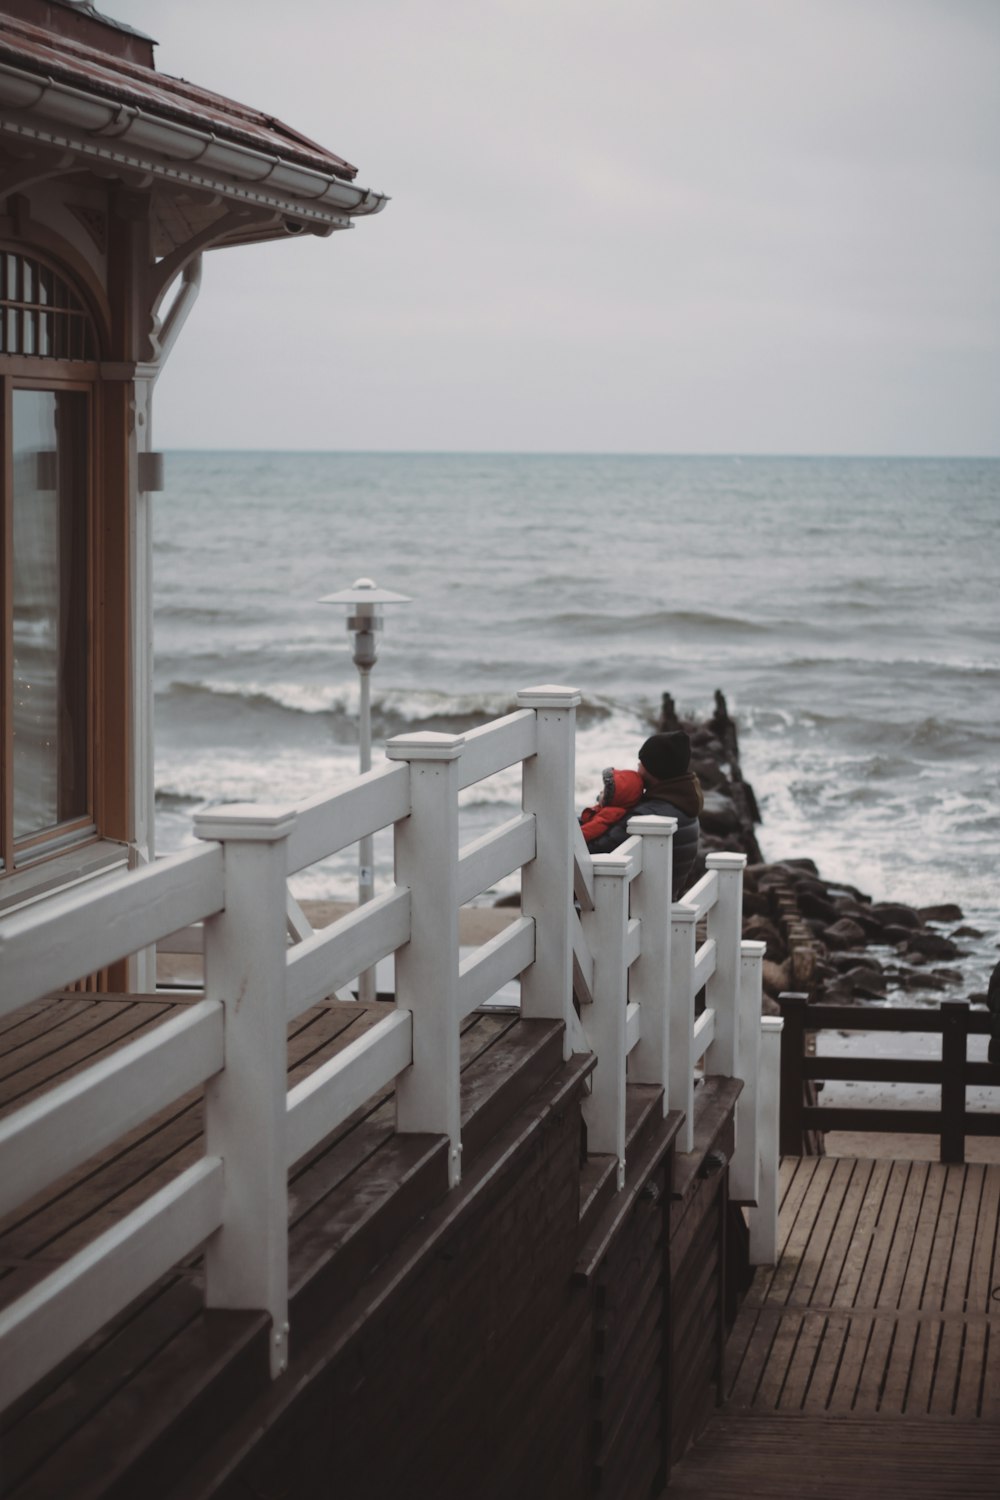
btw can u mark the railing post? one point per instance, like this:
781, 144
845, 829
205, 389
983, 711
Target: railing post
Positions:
547, 881
246, 1261
683, 920
764, 1218
954, 1050
793, 1012
744, 1170
604, 1109
649, 980
725, 926
426, 860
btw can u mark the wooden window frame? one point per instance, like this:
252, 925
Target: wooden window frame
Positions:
42, 372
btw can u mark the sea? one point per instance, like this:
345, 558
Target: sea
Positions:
848, 608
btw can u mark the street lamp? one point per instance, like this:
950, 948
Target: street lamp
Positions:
361, 599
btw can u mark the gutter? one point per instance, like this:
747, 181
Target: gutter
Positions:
131, 137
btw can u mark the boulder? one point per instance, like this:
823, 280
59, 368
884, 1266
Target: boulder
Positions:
844, 934
719, 815
932, 945
894, 913
947, 911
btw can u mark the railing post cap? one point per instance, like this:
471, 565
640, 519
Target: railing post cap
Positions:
250, 822
772, 1023
610, 864
425, 745
681, 913
653, 825
549, 695
749, 948
725, 861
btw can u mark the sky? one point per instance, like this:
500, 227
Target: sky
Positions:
651, 226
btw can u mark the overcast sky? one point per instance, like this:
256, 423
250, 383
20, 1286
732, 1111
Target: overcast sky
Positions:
695, 226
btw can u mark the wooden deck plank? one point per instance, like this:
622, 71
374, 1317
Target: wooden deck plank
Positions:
848, 1229
984, 1263
871, 1249
914, 1279
73, 1043
796, 1177
797, 1243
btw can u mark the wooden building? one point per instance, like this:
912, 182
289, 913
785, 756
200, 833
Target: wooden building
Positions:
114, 179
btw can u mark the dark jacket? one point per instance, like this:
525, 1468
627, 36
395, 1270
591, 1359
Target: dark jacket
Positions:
657, 804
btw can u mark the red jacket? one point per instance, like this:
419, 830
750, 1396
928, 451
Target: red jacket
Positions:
622, 790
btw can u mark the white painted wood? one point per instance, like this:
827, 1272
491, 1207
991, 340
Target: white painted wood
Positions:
583, 964
649, 975
324, 1100
744, 1169
141, 965
246, 1263
633, 941
336, 954
703, 1033
577, 1035
703, 896
764, 1218
495, 746
426, 859
69, 1123
328, 824
605, 1020
583, 874
298, 924
725, 926
633, 1026
495, 855
495, 964
682, 947
46, 946
52, 1319
547, 881
704, 964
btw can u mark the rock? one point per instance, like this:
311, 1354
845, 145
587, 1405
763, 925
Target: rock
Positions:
899, 916
777, 977
946, 912
803, 961
762, 930
867, 982
932, 945
967, 932
813, 905
844, 934
719, 814
848, 960
755, 904
769, 1007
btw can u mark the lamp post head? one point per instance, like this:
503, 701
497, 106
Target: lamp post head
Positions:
361, 599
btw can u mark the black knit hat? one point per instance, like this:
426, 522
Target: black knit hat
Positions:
666, 755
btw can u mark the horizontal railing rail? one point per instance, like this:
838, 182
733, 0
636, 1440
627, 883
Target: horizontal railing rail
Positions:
48, 945
954, 1072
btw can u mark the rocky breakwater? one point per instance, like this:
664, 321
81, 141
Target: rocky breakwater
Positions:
824, 939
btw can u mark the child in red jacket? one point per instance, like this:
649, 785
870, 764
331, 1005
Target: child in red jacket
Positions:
622, 790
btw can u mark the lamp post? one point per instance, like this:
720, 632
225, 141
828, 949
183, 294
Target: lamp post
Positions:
362, 599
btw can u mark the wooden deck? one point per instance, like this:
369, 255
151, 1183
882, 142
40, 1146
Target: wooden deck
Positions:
867, 1362
348, 1201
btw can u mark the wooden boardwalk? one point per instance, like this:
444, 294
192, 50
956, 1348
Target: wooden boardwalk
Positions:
867, 1362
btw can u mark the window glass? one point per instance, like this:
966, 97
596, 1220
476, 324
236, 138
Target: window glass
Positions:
50, 666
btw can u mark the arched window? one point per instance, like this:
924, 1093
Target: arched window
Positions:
48, 346
42, 315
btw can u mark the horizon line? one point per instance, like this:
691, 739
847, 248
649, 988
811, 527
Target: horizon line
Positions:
587, 453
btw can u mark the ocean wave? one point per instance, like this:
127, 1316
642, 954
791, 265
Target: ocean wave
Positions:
394, 711
650, 620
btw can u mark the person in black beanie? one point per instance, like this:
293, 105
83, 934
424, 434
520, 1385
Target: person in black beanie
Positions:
672, 790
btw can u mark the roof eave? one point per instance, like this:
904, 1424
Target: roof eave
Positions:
49, 112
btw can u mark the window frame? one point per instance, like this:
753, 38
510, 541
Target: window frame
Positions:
42, 372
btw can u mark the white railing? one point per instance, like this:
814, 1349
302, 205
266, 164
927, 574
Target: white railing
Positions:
639, 969
631, 960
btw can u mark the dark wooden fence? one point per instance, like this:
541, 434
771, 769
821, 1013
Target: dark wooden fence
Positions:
955, 1020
